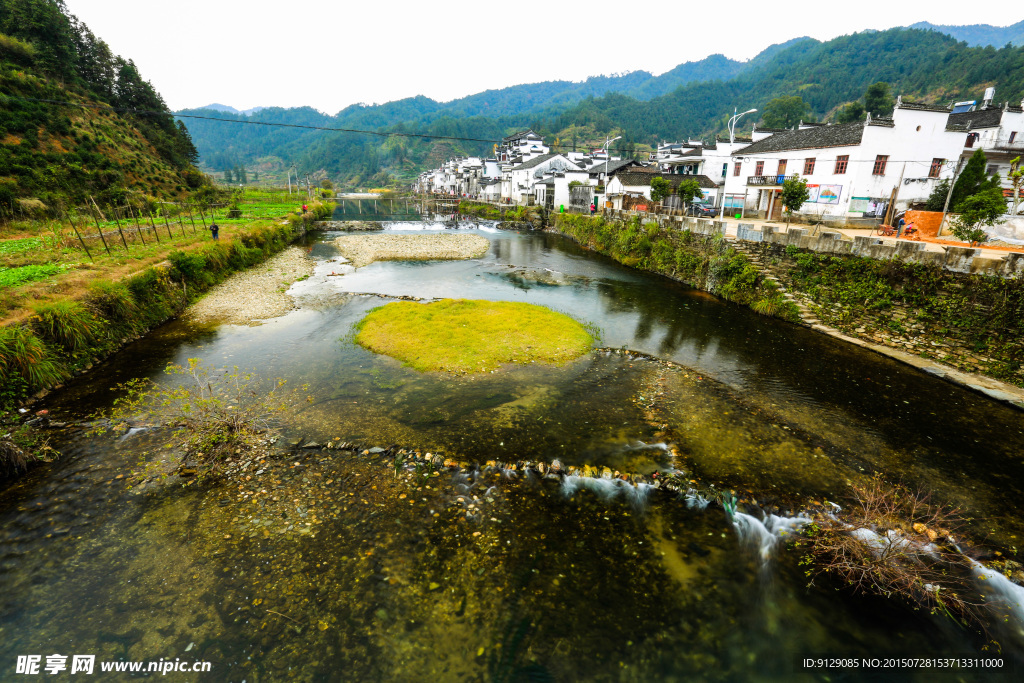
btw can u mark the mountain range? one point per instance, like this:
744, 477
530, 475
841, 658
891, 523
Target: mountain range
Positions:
980, 35
693, 99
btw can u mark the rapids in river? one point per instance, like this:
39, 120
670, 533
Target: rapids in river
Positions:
328, 564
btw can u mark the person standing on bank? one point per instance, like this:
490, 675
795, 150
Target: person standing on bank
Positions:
214, 229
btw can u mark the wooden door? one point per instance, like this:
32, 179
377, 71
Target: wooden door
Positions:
776, 206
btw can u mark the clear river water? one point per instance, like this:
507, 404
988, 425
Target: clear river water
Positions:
332, 565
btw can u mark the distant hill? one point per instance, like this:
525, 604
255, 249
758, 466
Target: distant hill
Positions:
980, 35
231, 110
61, 153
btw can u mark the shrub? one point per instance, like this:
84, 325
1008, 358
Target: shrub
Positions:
25, 363
214, 416
114, 301
189, 265
65, 323
896, 543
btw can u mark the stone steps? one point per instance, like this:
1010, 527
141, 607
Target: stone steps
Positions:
807, 316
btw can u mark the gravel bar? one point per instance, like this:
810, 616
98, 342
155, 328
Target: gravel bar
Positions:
364, 249
257, 293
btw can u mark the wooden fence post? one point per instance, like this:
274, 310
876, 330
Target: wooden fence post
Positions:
118, 220
170, 235
137, 228
192, 220
100, 231
153, 223
73, 227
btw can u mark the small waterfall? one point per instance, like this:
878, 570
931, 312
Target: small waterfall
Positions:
764, 534
607, 488
132, 432
695, 501
1000, 592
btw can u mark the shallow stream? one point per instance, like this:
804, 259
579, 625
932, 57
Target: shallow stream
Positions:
330, 565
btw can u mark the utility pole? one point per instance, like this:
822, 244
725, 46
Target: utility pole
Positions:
945, 207
891, 211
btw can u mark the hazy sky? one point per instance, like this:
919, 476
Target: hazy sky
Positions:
331, 54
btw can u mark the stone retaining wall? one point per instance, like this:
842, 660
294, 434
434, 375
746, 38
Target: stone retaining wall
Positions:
955, 259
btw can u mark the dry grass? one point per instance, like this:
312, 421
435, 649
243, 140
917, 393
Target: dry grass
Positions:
460, 335
119, 264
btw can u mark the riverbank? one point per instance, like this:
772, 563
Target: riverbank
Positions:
967, 329
89, 318
257, 293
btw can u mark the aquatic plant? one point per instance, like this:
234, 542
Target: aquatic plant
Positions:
462, 335
211, 416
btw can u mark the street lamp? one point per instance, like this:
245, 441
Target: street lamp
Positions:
732, 123
607, 164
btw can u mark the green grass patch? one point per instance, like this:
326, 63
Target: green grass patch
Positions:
12, 277
12, 247
463, 335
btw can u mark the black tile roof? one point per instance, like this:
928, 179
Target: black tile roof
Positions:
842, 135
921, 106
979, 118
610, 166
517, 136
538, 160
675, 179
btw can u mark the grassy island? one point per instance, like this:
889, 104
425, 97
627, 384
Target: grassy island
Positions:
463, 335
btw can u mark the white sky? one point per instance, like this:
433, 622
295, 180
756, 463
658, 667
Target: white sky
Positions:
331, 54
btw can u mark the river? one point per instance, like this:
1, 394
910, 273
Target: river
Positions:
329, 565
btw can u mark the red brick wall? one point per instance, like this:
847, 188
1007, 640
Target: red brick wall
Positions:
925, 221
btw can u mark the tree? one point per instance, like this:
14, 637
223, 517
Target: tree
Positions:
1016, 178
689, 190
785, 112
972, 180
326, 184
854, 111
937, 199
794, 194
660, 188
878, 99
227, 176
981, 209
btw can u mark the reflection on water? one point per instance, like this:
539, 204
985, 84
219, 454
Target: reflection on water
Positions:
330, 565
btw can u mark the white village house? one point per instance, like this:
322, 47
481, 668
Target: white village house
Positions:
632, 189
852, 168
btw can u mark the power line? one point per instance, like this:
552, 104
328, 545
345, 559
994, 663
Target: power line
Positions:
150, 112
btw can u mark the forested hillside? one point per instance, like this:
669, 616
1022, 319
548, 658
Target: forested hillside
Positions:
919, 64
57, 153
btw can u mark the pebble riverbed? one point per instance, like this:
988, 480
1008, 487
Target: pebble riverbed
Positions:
365, 249
257, 293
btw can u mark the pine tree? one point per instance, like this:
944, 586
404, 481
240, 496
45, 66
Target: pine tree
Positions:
972, 180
